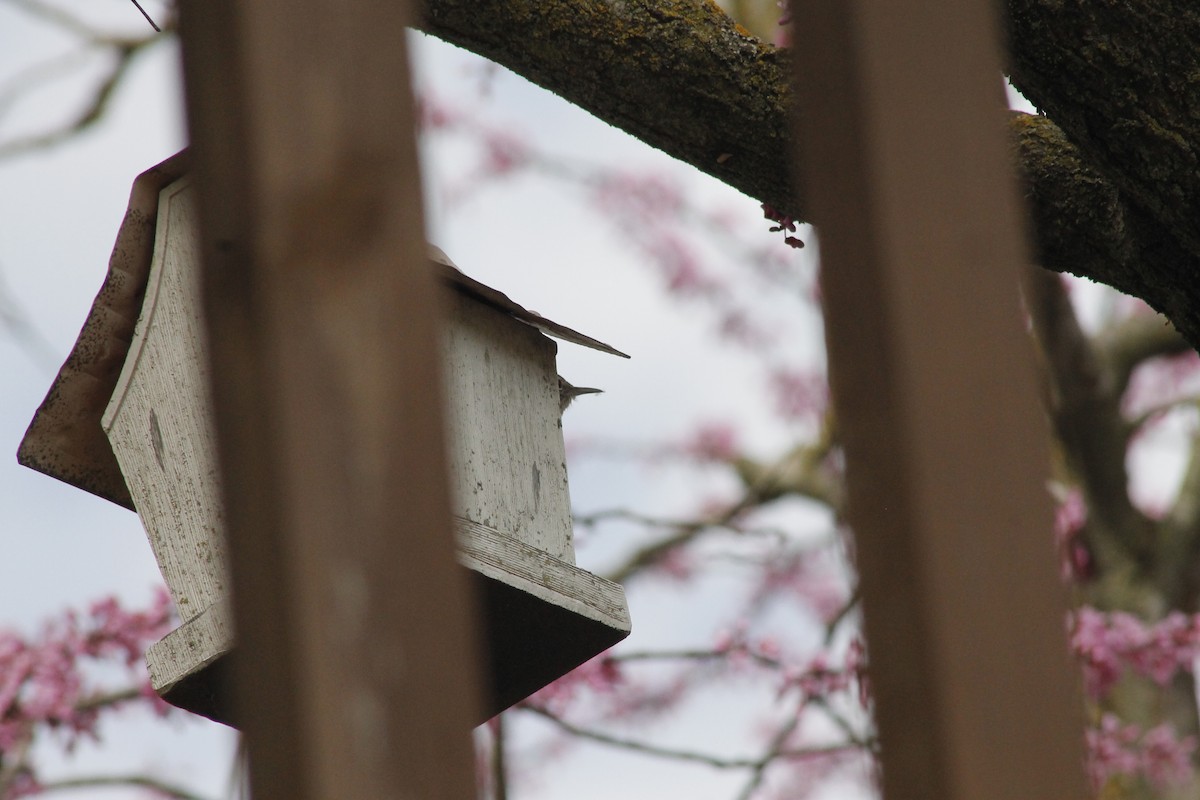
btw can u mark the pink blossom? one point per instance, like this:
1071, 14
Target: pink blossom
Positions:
433, 115
738, 325
601, 675
768, 647
42, 678
1108, 644
644, 198
713, 441
1166, 759
1157, 755
821, 678
24, 784
813, 579
676, 564
856, 661
680, 266
799, 395
504, 153
731, 638
785, 12
1110, 750
1070, 518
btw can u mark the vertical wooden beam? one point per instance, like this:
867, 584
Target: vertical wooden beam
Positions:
906, 174
355, 674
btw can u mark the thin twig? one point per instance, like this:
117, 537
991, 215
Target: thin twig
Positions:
147, 16
56, 16
717, 762
843, 612
694, 655
759, 771
23, 331
141, 781
90, 115
499, 765
30, 79
107, 699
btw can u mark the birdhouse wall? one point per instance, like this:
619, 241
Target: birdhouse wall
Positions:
507, 461
159, 419
505, 448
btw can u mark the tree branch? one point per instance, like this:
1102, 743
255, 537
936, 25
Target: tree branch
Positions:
682, 77
1085, 226
140, 781
1085, 413
1126, 344
95, 110
718, 762
1179, 540
1119, 79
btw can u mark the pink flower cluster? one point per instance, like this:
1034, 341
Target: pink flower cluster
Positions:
602, 675
713, 441
1157, 755
42, 678
814, 579
819, 678
799, 394
1110, 643
1070, 517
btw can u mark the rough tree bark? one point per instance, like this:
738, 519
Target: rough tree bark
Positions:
683, 77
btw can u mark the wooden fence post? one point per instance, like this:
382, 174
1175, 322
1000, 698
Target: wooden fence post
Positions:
356, 672
907, 177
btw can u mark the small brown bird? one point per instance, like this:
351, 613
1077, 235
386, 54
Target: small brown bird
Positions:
567, 393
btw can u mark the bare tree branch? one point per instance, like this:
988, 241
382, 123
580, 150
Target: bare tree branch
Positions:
1085, 412
717, 762
138, 781
92, 113
1179, 539
1127, 344
20, 327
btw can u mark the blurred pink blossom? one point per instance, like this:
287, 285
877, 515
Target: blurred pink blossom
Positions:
1166, 759
433, 115
43, 677
1158, 755
676, 564
644, 197
1110, 643
504, 153
799, 394
601, 675
1070, 517
713, 441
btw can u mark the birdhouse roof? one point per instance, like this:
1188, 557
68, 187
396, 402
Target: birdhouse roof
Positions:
450, 273
65, 439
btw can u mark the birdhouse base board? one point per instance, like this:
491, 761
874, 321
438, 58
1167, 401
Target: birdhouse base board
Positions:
541, 618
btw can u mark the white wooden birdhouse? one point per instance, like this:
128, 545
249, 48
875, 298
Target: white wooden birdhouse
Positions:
129, 418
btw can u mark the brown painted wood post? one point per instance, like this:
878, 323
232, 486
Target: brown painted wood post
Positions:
356, 673
906, 175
